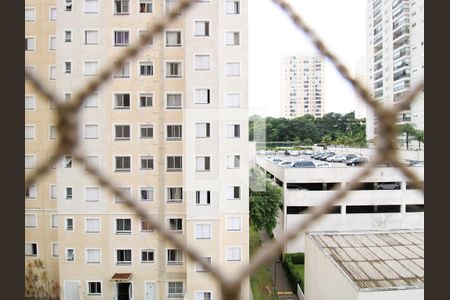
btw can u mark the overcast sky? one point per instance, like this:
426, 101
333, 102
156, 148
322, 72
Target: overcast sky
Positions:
340, 23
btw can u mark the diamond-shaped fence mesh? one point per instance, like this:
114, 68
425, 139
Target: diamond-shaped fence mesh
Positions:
67, 127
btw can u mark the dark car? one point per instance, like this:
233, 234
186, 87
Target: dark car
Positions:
358, 161
304, 164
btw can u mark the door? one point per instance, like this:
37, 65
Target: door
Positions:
71, 290
123, 291
150, 293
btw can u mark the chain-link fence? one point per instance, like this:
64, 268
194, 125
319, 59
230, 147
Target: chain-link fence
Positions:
68, 143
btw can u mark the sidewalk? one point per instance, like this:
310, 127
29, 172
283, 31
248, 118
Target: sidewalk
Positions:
279, 278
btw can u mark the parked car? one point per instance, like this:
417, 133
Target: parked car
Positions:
417, 163
343, 158
389, 185
286, 163
280, 152
294, 152
357, 161
304, 164
329, 154
323, 165
308, 152
330, 158
276, 159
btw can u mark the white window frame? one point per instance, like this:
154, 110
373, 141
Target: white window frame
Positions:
53, 193
166, 100
86, 250
34, 44
86, 188
54, 220
51, 72
124, 262
91, 12
202, 69
166, 44
147, 126
233, 43
50, 10
85, 37
202, 133
146, 63
166, 69
94, 136
147, 250
33, 18
122, 94
200, 295
35, 217
115, 13
32, 158
174, 200
175, 295
233, 186
123, 231
175, 230
234, 131
66, 196
197, 98
67, 37
171, 139
32, 192
145, 2
32, 129
145, 230
66, 255
231, 104
232, 75
50, 39
114, 134
146, 94
32, 102
124, 71
93, 72
177, 262
122, 169
227, 11
67, 70
52, 132
202, 166
205, 198
141, 157
150, 191
207, 33
88, 292
31, 244
121, 44
173, 169
89, 101
90, 158
232, 227
86, 230
233, 164
55, 253
228, 248
117, 200
203, 234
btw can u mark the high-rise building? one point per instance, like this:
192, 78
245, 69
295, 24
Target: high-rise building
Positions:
302, 82
395, 52
170, 128
361, 75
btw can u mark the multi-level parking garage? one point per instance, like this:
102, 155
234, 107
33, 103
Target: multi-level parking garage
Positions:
384, 201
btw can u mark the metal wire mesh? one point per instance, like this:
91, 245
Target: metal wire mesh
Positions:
67, 128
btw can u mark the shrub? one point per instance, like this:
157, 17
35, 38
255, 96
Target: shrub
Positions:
293, 267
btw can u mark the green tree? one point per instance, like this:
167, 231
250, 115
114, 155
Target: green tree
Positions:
265, 201
409, 130
419, 135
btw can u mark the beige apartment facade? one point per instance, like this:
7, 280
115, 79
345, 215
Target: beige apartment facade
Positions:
170, 128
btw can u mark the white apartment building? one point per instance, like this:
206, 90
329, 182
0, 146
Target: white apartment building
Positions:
302, 85
361, 74
170, 128
385, 201
395, 56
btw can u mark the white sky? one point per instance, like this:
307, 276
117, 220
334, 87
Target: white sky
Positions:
340, 23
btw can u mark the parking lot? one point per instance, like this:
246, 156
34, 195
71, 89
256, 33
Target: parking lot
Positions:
307, 157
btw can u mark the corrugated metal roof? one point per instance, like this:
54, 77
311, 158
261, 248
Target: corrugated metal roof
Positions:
376, 260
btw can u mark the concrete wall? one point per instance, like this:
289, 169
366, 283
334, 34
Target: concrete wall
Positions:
409, 294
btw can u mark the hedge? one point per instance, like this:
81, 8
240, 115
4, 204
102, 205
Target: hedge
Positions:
293, 276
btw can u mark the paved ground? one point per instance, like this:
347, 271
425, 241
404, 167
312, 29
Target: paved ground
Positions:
279, 277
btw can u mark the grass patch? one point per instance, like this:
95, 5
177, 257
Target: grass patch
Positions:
260, 281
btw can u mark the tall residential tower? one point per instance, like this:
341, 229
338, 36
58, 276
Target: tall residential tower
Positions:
170, 128
302, 82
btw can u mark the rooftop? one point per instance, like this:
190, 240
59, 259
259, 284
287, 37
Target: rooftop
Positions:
376, 260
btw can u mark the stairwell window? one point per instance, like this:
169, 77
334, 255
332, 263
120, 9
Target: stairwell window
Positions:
68, 193
68, 36
67, 67
70, 254
121, 7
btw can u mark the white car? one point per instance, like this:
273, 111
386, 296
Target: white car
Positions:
323, 165
330, 159
286, 163
308, 152
294, 152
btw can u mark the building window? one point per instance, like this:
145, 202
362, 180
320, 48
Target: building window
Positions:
201, 28
233, 69
53, 191
233, 223
90, 6
52, 15
203, 197
233, 161
30, 221
123, 163
91, 37
174, 164
124, 190
123, 226
232, 38
142, 33
31, 249
145, 226
174, 132
67, 162
207, 261
122, 101
91, 131
55, 249
121, 7
146, 68
122, 132
233, 192
202, 130
51, 72
30, 162
145, 100
30, 14
233, 7
203, 164
173, 101
52, 132
91, 100
201, 62
54, 221
175, 289
90, 68
68, 36
121, 38
69, 224
94, 288
93, 161
145, 6
30, 193
92, 225
202, 96
174, 257
68, 5
203, 231
233, 253
174, 194
233, 130
147, 193
68, 193
67, 67
146, 131
92, 194
30, 103
30, 44
93, 256
147, 163
176, 225
233, 100
124, 71
203, 296
173, 70
173, 38
123, 257
70, 254
147, 255
29, 132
